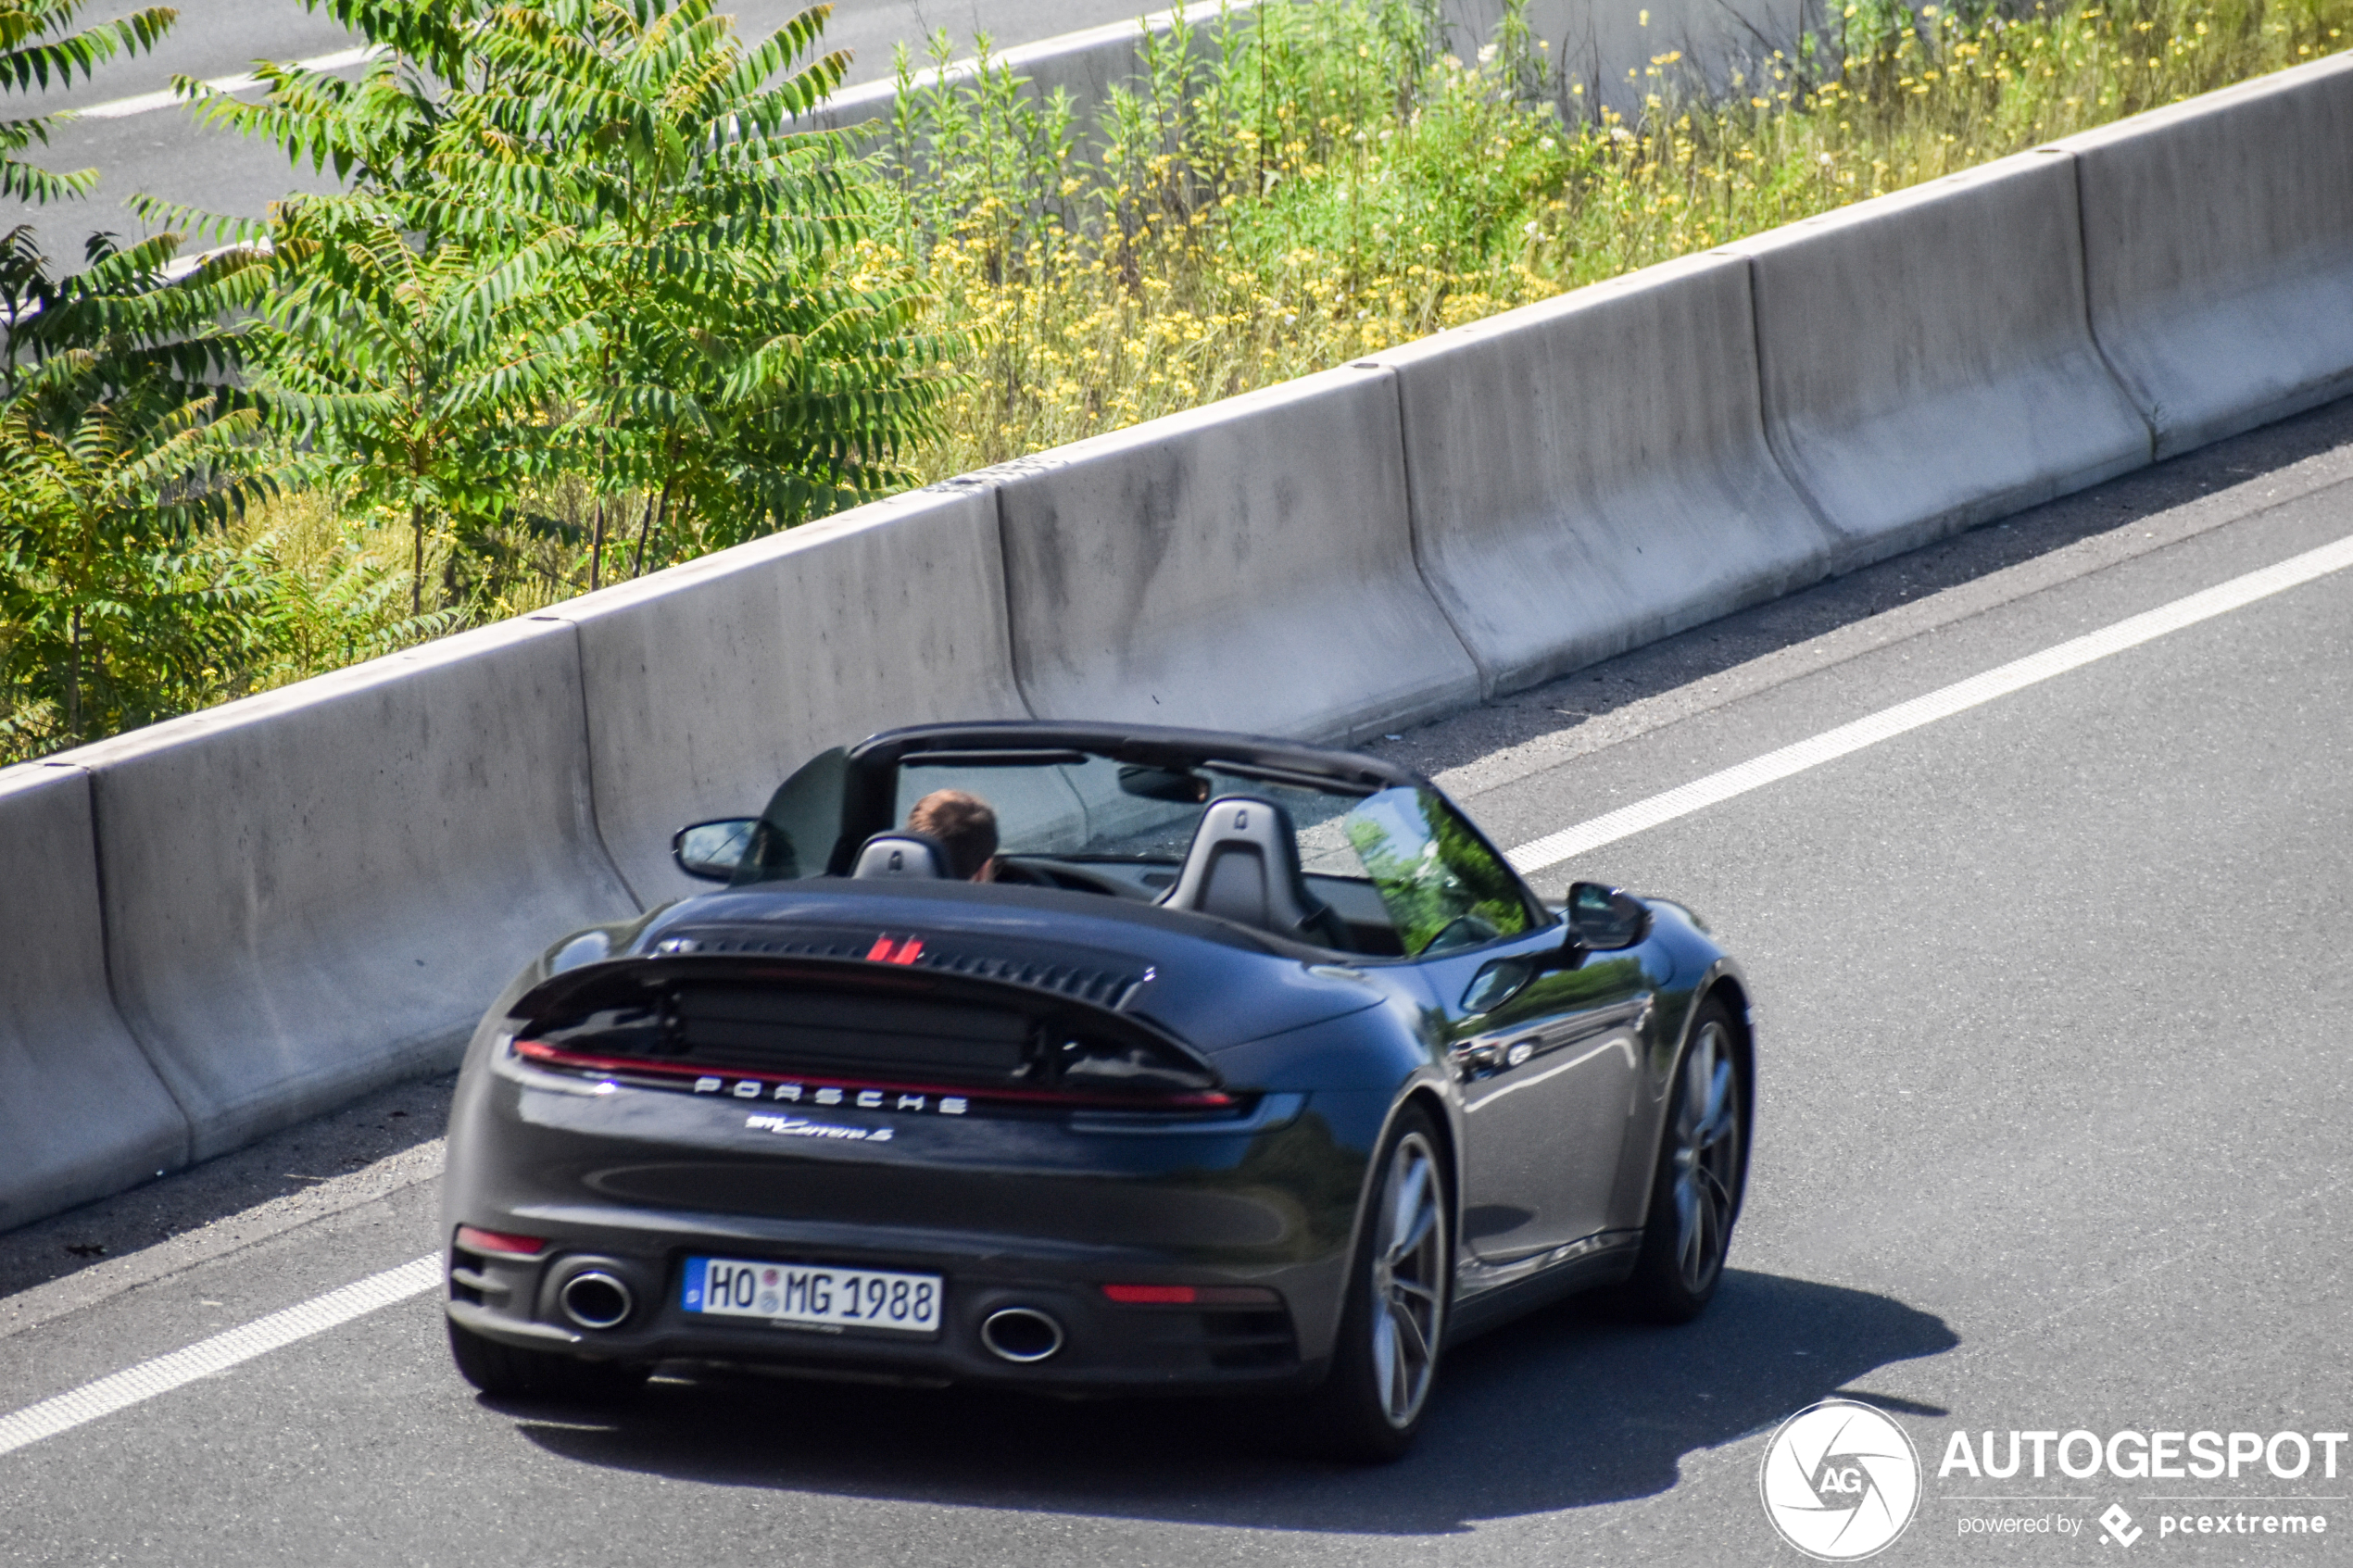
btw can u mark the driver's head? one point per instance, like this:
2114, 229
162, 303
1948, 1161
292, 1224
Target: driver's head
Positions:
962, 825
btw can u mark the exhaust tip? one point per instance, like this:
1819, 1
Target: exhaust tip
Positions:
594, 1298
1021, 1335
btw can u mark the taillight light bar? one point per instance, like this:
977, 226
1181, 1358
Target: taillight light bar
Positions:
1192, 1296
686, 1074
501, 1244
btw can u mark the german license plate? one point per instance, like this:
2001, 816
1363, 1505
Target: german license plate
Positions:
797, 1293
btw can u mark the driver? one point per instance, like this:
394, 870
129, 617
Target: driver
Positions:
965, 827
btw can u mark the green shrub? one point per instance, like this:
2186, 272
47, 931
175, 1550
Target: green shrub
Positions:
1310, 183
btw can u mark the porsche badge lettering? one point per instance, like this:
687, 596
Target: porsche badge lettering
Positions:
828, 1094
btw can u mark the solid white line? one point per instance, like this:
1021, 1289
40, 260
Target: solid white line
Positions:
1774, 766
219, 1353
123, 109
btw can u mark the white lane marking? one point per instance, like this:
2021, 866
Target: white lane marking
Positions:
123, 109
1774, 766
219, 1353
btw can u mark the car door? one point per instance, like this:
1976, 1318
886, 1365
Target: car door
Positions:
1548, 1064
1542, 1038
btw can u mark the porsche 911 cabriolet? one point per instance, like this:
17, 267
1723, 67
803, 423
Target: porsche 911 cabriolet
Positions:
1094, 1060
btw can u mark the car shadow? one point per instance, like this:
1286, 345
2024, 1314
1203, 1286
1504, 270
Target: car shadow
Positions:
1563, 1408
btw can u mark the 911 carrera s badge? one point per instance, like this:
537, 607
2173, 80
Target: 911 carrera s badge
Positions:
801, 1127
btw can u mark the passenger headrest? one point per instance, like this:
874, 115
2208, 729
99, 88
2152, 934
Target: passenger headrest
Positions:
902, 855
1243, 866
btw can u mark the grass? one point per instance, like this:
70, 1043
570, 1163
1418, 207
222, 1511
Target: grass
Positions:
1287, 196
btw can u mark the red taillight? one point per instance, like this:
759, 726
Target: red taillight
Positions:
1192, 1296
1153, 1294
500, 1243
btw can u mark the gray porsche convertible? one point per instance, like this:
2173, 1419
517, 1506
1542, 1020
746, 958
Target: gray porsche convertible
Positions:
1089, 1059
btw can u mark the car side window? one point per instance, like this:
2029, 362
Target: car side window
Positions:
803, 819
1444, 888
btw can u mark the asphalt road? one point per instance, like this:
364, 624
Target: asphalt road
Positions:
2052, 997
161, 153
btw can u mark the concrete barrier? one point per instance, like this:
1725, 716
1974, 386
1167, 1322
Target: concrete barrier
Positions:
2218, 239
707, 684
316, 891
1248, 566
82, 1112
1926, 359
1590, 473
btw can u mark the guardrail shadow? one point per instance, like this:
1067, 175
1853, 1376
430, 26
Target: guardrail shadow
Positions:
320, 1153
1562, 1409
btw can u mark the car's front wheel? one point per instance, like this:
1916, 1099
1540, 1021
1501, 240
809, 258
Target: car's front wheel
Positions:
1385, 1361
1695, 1194
505, 1372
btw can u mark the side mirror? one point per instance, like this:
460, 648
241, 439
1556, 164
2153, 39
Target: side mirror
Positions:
1603, 919
711, 851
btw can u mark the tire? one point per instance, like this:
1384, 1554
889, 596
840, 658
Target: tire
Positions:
1703, 1170
1385, 1359
505, 1372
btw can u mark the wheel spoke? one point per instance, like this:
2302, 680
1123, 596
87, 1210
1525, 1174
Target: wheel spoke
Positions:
1425, 1221
1410, 1337
1719, 1196
1407, 1203
1718, 1120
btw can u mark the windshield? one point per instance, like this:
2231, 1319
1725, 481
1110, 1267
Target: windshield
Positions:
1403, 872
1094, 809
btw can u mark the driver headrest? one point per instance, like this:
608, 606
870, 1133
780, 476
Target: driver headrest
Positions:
902, 854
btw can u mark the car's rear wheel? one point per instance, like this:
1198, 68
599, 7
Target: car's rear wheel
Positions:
505, 1372
1703, 1164
1385, 1361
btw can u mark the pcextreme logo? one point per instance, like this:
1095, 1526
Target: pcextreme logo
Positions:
1840, 1481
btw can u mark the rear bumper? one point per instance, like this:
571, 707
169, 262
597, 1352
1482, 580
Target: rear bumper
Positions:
1108, 1346
1015, 1212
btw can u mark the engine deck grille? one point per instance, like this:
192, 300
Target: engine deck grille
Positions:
761, 1029
1103, 985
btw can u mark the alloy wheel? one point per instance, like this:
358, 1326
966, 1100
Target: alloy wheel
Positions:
1706, 1168
1409, 1280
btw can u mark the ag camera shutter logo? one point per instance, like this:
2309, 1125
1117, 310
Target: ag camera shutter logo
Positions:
1840, 1481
